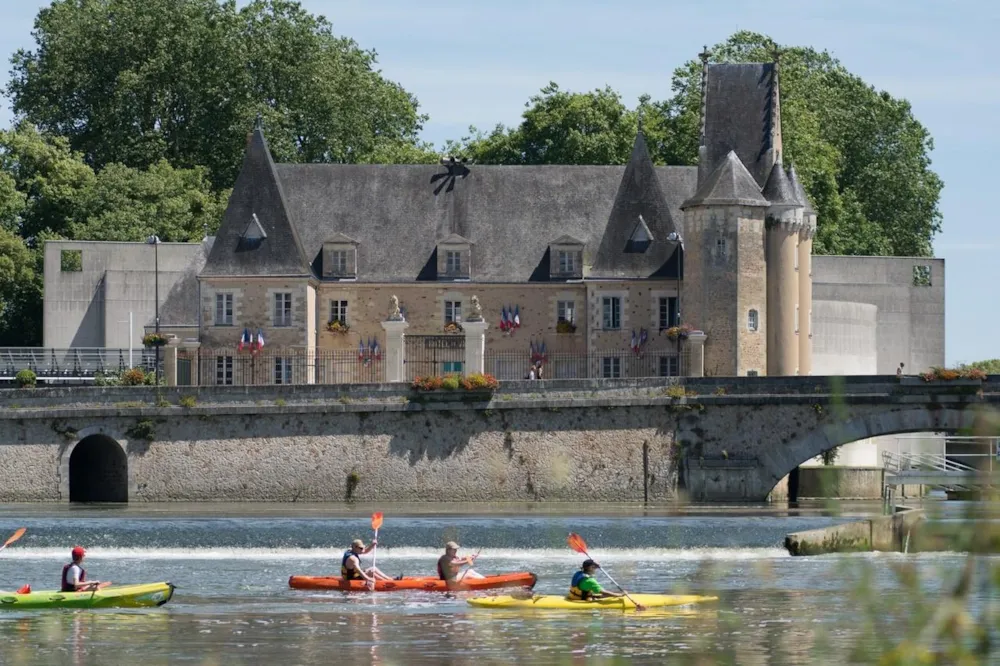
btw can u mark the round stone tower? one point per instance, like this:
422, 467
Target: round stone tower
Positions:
783, 224
805, 273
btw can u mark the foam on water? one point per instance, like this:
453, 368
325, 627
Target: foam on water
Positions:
404, 553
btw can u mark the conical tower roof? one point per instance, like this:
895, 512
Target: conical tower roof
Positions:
729, 184
779, 191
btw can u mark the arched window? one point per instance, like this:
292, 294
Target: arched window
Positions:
752, 320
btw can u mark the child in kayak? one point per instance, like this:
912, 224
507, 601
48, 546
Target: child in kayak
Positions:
74, 576
450, 564
585, 587
350, 564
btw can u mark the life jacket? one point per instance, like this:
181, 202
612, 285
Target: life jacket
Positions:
574, 587
349, 574
66, 585
440, 570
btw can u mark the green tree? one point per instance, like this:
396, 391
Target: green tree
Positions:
138, 81
990, 366
20, 292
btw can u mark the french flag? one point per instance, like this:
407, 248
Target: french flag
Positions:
260, 339
244, 339
503, 318
517, 316
361, 349
376, 350
635, 344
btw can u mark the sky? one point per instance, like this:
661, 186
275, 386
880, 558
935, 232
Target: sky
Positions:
477, 63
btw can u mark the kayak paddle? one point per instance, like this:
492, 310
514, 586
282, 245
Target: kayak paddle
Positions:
14, 537
577, 543
376, 523
464, 570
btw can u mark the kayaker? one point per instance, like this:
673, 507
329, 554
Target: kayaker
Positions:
450, 564
74, 576
350, 564
585, 586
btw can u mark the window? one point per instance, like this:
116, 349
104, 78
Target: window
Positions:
669, 366
567, 263
71, 261
796, 255
611, 367
283, 309
796, 318
452, 312
282, 370
751, 373
612, 313
810, 322
752, 320
720, 248
338, 311
453, 262
668, 312
566, 311
223, 309
338, 262
922, 276
224, 370
451, 367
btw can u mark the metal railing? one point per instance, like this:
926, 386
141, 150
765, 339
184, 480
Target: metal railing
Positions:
229, 367
508, 365
927, 462
75, 364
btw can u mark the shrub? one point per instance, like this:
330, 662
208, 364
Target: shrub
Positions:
450, 383
338, 326
675, 392
563, 326
188, 401
949, 374
973, 373
154, 340
26, 378
479, 381
133, 377
429, 383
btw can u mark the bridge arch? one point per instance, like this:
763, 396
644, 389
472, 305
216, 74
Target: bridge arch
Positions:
95, 468
780, 462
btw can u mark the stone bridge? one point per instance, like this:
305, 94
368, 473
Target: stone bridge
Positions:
706, 439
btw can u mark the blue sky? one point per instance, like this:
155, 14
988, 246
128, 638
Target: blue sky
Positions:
477, 63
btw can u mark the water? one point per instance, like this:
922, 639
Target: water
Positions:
233, 605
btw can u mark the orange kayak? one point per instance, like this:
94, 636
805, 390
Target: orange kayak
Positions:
426, 583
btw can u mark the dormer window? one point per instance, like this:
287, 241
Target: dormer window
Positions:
566, 258
640, 238
454, 258
340, 258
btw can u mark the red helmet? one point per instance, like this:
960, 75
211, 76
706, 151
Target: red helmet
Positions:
78, 552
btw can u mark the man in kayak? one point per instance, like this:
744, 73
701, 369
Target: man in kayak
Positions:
450, 564
74, 577
350, 564
585, 587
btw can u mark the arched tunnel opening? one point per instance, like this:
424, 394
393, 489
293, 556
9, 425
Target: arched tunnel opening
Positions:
98, 471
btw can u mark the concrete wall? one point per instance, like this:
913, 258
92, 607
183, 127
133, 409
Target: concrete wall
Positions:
844, 341
90, 307
841, 482
910, 322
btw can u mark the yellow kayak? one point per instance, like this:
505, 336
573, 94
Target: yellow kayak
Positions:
551, 601
113, 596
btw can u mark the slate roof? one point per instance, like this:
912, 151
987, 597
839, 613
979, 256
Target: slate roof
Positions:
779, 190
800, 192
729, 184
257, 192
738, 115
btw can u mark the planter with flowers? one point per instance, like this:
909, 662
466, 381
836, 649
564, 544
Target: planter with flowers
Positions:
565, 327
679, 332
453, 327
961, 380
154, 340
338, 326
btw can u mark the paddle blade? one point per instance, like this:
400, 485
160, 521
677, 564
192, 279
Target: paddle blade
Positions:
376, 520
15, 536
577, 543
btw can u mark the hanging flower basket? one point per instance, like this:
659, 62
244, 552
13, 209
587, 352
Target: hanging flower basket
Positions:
682, 332
563, 326
338, 326
154, 340
453, 327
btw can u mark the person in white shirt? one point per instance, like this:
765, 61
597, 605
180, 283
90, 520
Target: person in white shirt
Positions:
74, 576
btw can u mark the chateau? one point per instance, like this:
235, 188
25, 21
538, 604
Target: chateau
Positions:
637, 270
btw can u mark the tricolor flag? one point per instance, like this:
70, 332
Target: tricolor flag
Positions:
244, 339
642, 336
634, 344
503, 318
361, 349
260, 339
376, 351
517, 316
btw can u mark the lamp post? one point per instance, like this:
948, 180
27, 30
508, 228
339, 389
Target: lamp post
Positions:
675, 237
154, 240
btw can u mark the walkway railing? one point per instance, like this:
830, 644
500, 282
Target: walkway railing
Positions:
76, 364
610, 364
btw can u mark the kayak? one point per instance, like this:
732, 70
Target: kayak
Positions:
113, 596
552, 601
426, 583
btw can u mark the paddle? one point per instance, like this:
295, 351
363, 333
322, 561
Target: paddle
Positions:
14, 537
376, 523
464, 570
577, 543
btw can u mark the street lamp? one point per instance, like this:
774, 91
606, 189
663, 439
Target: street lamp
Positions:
675, 237
154, 240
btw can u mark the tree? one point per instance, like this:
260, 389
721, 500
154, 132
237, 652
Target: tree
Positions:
138, 81
20, 292
990, 366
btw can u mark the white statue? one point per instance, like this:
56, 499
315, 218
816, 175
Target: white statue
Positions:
394, 313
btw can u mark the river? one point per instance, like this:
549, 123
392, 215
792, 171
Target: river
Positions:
233, 605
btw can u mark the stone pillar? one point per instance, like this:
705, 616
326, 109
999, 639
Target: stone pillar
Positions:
805, 297
170, 362
395, 370
193, 350
475, 345
696, 354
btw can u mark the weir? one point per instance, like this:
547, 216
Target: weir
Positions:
705, 439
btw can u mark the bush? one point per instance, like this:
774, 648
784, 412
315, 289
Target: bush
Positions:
26, 378
429, 383
479, 381
949, 374
133, 377
450, 383
188, 401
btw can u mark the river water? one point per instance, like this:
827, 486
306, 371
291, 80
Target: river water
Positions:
233, 605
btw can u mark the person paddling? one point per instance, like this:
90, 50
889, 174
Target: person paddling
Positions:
350, 564
450, 564
74, 576
585, 587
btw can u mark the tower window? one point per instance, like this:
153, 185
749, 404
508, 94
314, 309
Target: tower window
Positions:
796, 318
720, 249
752, 320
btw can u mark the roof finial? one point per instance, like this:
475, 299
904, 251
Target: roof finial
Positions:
705, 54
776, 54
641, 112
258, 123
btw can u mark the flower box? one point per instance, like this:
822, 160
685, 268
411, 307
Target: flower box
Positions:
682, 332
338, 326
154, 340
565, 327
453, 327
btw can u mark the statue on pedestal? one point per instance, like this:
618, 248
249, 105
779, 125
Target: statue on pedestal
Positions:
477, 310
394, 313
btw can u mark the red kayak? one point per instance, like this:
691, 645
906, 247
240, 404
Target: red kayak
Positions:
426, 583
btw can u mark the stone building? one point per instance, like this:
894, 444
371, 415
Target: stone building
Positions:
600, 263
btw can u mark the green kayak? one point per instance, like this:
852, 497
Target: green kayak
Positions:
121, 596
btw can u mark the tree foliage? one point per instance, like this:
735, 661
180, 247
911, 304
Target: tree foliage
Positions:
140, 81
862, 156
989, 366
